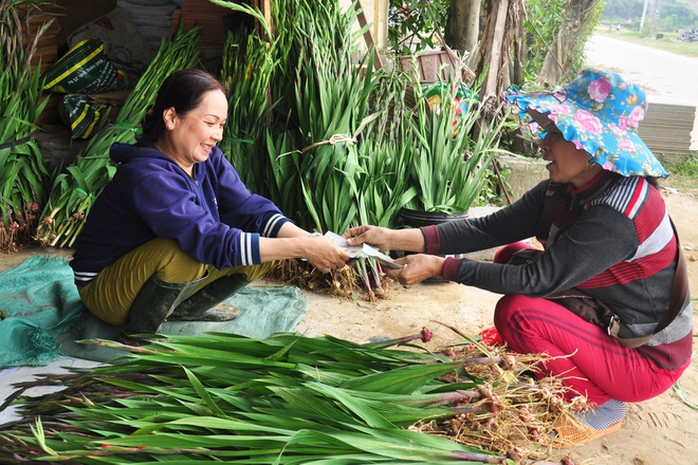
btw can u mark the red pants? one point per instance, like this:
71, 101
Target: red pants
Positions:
588, 360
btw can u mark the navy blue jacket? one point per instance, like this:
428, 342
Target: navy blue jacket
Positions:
213, 218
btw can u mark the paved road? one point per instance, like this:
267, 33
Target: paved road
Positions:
665, 77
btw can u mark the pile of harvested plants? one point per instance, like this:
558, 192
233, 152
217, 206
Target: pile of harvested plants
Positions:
287, 399
363, 277
22, 172
511, 411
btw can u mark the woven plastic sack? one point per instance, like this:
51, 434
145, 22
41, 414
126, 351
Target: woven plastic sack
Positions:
435, 93
125, 45
85, 69
84, 115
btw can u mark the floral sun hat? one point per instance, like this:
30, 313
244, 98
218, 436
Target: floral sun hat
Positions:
598, 112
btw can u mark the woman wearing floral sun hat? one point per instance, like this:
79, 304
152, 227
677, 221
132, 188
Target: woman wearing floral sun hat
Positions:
608, 242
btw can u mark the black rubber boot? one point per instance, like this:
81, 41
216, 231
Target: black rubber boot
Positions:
153, 304
199, 307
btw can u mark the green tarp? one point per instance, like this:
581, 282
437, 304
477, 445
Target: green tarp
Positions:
44, 317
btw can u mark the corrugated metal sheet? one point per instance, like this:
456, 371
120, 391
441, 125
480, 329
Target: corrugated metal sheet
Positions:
667, 128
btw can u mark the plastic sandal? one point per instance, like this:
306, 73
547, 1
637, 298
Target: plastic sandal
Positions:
572, 433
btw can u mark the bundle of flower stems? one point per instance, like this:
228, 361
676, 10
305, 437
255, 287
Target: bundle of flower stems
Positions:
23, 175
324, 96
297, 100
74, 191
248, 64
285, 399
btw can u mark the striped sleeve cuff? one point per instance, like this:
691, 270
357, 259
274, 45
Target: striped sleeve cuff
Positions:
248, 250
273, 224
82, 278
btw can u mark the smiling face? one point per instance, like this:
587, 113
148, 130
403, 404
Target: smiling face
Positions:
568, 164
189, 138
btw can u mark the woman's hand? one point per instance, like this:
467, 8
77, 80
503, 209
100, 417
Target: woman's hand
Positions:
372, 235
417, 268
408, 240
293, 242
324, 254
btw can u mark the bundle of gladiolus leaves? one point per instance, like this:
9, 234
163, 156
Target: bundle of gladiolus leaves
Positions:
22, 172
286, 399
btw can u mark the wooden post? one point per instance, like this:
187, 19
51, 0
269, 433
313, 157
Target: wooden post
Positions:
368, 37
264, 6
267, 13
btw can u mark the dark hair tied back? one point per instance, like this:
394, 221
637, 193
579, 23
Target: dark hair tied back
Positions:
148, 120
181, 90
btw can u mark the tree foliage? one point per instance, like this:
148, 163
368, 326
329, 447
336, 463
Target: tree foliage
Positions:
562, 26
672, 14
416, 24
623, 10
566, 55
543, 19
675, 15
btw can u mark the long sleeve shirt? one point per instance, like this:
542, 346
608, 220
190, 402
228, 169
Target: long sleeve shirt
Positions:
613, 239
212, 217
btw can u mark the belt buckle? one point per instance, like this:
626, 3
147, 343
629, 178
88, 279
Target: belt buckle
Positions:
612, 322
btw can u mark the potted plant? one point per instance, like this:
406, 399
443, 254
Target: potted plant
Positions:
453, 146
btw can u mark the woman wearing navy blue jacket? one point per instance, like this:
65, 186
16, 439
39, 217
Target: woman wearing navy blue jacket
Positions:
176, 232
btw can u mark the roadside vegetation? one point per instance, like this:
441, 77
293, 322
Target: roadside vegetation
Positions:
668, 42
683, 172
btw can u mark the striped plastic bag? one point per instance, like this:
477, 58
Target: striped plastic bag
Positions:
84, 115
85, 69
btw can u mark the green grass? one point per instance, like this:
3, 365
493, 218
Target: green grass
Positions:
683, 172
683, 166
668, 44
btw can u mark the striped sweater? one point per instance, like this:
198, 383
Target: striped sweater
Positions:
612, 238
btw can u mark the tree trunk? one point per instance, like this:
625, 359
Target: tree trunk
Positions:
517, 75
494, 52
463, 25
557, 65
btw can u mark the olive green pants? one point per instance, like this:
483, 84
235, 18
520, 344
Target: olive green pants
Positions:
112, 292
